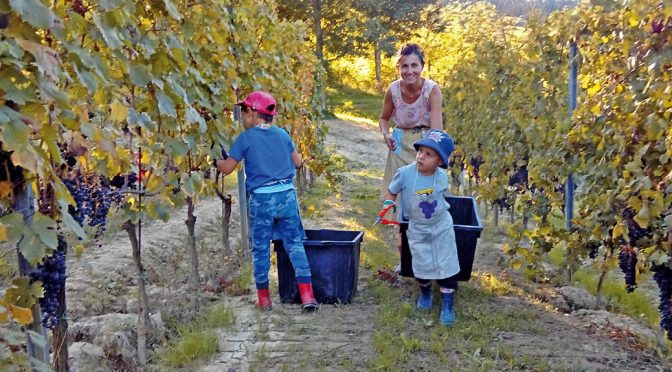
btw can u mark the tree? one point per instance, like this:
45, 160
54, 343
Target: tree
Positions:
387, 21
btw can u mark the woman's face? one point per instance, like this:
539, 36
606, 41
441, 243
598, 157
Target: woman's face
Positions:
410, 68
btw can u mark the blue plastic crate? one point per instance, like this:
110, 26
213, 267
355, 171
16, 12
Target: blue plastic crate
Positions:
468, 227
333, 256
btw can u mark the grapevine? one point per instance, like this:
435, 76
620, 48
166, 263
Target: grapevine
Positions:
51, 272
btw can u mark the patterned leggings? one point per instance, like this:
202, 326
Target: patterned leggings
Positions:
276, 214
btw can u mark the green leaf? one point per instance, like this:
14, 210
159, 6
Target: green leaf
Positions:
172, 10
45, 228
140, 74
21, 292
111, 4
166, 106
34, 12
87, 79
188, 185
194, 117
110, 34
51, 139
13, 226
70, 221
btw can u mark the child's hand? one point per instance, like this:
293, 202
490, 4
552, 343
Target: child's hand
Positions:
224, 157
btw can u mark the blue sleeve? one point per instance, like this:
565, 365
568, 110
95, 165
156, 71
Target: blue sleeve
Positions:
238, 148
397, 183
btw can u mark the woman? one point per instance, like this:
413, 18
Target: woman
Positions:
415, 104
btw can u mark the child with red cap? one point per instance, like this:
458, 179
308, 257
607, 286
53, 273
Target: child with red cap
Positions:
270, 163
422, 187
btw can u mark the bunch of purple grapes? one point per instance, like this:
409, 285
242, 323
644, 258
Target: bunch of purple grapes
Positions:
51, 272
627, 261
520, 177
501, 203
593, 246
663, 276
476, 163
94, 196
635, 233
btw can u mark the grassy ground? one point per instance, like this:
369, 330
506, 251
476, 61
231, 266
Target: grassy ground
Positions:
196, 340
354, 105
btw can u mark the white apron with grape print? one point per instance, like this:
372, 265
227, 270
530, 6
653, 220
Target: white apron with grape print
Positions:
431, 236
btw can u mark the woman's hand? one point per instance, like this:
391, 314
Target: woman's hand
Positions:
390, 142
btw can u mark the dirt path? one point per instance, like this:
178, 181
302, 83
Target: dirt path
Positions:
518, 332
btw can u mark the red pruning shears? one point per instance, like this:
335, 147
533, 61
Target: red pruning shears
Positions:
381, 216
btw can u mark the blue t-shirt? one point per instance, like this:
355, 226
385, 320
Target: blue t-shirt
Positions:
267, 154
404, 185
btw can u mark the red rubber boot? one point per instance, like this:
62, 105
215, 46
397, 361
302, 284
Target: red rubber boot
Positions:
264, 299
307, 297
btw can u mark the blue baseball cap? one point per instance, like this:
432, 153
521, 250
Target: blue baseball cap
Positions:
440, 141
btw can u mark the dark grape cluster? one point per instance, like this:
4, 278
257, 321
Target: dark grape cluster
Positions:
627, 261
663, 277
635, 233
51, 272
592, 247
476, 163
519, 178
94, 195
501, 204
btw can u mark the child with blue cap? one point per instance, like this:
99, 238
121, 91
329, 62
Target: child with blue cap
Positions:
422, 187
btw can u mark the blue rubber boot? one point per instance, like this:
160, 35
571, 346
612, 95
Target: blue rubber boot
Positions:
447, 317
425, 299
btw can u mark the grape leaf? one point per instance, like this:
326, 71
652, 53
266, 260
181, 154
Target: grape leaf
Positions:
119, 112
34, 12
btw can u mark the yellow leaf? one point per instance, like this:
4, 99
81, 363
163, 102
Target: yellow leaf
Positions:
5, 189
596, 110
119, 112
594, 89
643, 218
3, 233
617, 232
21, 315
516, 265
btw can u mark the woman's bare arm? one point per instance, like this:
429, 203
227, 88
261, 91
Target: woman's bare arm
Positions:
436, 109
384, 120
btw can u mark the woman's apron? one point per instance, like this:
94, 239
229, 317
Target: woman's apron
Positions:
404, 154
431, 236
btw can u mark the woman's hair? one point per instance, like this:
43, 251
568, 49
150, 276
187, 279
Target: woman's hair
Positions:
409, 49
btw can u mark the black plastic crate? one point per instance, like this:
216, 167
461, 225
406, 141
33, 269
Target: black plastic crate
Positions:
468, 227
333, 256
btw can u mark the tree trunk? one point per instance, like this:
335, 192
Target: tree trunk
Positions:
59, 343
144, 324
379, 80
319, 52
317, 28
512, 218
496, 219
38, 349
193, 254
226, 220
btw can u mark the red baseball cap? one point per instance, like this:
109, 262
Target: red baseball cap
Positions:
261, 102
